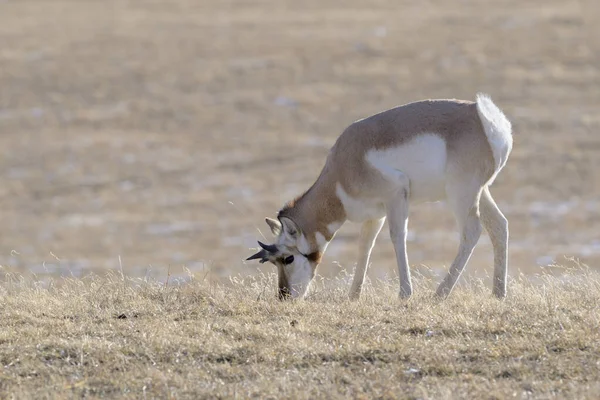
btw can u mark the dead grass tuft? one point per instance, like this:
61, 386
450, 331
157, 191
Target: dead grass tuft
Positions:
117, 336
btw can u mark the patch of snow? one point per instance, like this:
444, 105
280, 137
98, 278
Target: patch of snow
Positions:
283, 101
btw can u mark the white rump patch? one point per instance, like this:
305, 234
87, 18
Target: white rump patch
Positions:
422, 160
497, 129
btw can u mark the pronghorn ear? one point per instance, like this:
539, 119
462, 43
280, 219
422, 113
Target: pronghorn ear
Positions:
274, 225
289, 227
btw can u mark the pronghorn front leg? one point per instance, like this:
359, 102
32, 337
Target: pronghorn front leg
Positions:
397, 214
368, 234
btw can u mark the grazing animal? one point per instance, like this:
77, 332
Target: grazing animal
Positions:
420, 152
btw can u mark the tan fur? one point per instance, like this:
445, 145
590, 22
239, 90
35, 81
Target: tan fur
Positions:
456, 121
318, 207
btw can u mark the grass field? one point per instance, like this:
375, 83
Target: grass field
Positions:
148, 139
107, 337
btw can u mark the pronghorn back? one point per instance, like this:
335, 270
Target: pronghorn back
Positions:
425, 140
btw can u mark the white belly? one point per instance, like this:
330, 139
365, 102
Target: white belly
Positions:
422, 160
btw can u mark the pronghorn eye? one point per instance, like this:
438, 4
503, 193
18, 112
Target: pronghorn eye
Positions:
288, 260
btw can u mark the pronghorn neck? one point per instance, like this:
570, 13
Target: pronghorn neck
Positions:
319, 212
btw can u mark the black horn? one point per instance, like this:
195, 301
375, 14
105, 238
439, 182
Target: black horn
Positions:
263, 255
271, 248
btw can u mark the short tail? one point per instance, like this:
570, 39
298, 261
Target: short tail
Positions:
497, 129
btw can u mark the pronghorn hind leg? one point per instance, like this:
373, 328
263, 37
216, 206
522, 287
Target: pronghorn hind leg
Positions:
497, 227
368, 234
397, 215
465, 204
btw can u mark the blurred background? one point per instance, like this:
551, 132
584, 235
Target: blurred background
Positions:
155, 136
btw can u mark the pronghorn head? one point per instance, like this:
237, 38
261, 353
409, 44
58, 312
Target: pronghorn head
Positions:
294, 256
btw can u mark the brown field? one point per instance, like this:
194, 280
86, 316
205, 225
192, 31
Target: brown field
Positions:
128, 128
127, 338
152, 137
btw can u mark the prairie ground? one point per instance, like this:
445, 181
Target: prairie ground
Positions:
119, 337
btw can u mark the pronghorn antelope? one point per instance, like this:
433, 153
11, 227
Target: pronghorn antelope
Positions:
419, 152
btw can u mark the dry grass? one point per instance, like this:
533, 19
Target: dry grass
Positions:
123, 337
